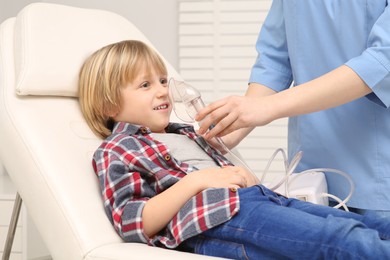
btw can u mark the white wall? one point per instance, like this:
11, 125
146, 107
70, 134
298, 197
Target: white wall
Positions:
157, 19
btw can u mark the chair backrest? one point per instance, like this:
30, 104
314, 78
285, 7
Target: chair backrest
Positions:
46, 146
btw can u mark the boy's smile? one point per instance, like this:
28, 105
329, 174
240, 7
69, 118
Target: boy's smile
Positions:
164, 106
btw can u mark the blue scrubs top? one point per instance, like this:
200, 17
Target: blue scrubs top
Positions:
304, 39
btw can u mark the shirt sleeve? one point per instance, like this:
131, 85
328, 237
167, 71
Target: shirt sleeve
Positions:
373, 65
272, 66
123, 198
128, 179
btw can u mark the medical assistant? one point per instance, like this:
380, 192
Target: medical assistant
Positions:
304, 39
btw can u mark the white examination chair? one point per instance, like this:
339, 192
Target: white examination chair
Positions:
46, 146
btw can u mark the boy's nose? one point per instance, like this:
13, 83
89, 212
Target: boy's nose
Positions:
162, 90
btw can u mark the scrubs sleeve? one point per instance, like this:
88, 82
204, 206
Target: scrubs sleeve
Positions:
373, 65
272, 67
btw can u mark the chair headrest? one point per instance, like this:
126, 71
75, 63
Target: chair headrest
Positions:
51, 44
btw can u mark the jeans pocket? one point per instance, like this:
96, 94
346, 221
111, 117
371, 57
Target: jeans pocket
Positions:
221, 248
271, 195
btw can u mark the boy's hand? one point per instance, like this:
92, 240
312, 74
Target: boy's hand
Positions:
160, 209
225, 177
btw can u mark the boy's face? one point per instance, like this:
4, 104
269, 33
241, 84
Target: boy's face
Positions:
145, 101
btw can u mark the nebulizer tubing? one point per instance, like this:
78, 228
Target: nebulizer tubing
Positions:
342, 203
181, 92
289, 170
184, 94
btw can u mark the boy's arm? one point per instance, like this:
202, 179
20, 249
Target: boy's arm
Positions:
160, 209
130, 199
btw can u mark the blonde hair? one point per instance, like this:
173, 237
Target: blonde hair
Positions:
103, 75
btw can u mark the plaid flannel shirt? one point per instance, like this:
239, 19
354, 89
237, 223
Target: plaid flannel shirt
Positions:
133, 167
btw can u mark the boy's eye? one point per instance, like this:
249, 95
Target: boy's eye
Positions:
164, 81
144, 85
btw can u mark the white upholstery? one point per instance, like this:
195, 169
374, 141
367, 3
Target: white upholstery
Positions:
46, 146
50, 39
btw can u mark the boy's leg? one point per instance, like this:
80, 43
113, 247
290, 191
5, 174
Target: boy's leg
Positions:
380, 213
371, 219
264, 228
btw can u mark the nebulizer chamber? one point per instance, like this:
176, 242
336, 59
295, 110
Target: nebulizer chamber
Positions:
186, 100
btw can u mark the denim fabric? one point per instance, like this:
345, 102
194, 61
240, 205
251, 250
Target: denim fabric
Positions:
270, 226
380, 213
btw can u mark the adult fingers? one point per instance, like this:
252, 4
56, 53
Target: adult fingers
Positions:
204, 112
212, 114
225, 126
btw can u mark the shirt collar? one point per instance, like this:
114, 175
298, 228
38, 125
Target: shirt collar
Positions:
130, 129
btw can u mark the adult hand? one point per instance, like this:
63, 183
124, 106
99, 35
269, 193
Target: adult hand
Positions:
229, 114
235, 112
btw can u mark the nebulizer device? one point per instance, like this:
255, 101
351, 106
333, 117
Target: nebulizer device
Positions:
187, 102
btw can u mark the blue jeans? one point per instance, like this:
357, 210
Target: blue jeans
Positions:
381, 213
270, 226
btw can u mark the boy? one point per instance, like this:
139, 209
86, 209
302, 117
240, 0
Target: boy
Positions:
189, 196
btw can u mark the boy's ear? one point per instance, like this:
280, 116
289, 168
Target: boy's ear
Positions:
112, 113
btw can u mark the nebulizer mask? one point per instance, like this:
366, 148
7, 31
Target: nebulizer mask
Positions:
187, 102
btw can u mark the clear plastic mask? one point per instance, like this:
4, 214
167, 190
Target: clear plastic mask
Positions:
186, 100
